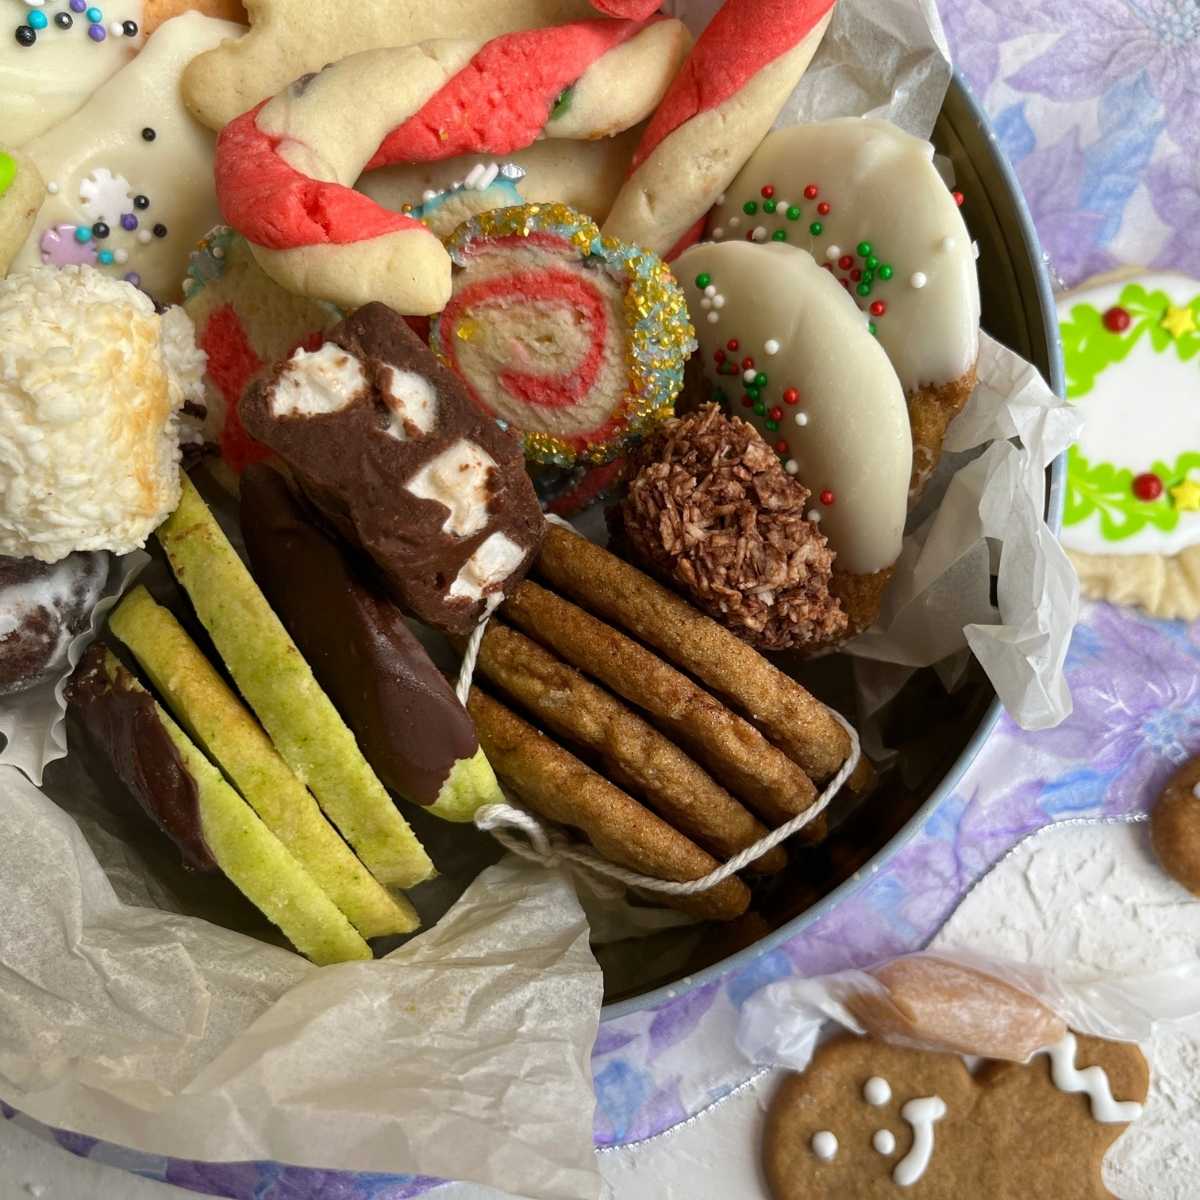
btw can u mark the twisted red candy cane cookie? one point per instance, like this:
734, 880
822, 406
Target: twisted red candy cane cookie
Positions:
285, 170
719, 107
575, 342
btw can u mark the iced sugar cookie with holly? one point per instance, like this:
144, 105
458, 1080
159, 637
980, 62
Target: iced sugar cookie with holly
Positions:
1131, 347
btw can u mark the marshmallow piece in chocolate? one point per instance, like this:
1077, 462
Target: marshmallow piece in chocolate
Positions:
388, 447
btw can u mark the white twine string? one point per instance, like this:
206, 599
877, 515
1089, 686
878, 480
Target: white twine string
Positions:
548, 846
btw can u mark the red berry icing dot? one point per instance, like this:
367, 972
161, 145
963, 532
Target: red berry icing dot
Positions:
958, 198
732, 345
826, 497
823, 209
1117, 320
810, 192
747, 363
718, 356
747, 402
856, 274
781, 447
791, 396
776, 414
878, 308
768, 192
1147, 486
846, 262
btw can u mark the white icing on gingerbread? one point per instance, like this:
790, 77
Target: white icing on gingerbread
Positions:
1094, 1081
1127, 347
100, 150
853, 450
884, 1141
855, 182
825, 1145
921, 1115
877, 1091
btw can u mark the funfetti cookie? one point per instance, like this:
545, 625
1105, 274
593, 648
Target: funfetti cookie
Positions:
22, 191
876, 1122
130, 174
53, 58
782, 345
866, 201
1132, 518
290, 38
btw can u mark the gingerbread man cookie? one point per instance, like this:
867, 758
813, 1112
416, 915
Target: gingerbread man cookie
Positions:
1175, 827
876, 1122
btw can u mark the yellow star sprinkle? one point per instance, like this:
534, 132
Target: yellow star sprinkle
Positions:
1178, 321
1187, 496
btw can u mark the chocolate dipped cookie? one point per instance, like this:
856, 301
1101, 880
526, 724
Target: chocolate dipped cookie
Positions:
409, 724
387, 446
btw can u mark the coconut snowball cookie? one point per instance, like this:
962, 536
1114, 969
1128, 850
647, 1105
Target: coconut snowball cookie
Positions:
866, 201
1132, 518
94, 381
782, 345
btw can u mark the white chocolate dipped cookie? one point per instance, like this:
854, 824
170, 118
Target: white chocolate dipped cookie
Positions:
865, 199
53, 58
1131, 523
788, 350
130, 174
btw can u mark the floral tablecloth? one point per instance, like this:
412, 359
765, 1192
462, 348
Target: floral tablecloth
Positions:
1097, 103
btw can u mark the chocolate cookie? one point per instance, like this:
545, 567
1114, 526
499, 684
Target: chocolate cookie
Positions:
1175, 827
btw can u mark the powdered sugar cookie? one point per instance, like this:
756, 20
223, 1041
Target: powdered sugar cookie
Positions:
784, 346
53, 58
864, 198
1132, 517
130, 174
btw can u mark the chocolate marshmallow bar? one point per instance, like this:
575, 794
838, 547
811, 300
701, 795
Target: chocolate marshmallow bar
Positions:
387, 446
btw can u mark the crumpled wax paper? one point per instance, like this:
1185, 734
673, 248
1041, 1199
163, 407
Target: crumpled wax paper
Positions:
464, 1054
32, 723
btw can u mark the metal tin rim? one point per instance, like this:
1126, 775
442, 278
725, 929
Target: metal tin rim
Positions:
1031, 247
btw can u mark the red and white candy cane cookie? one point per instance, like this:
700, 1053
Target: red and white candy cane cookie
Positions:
719, 107
285, 170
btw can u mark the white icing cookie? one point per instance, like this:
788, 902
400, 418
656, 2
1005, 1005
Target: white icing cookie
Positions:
789, 351
1132, 515
135, 163
53, 58
865, 197
1085, 902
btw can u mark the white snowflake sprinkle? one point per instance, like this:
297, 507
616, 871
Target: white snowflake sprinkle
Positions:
760, 233
791, 466
116, 28
711, 290
718, 302
947, 243
144, 236
713, 318
749, 374
813, 516
705, 302
734, 221
104, 196
121, 256
771, 346
919, 279
801, 418
718, 233
833, 253
52, 188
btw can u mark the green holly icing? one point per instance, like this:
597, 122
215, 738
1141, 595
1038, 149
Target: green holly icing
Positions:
1108, 491
563, 102
8, 171
1089, 347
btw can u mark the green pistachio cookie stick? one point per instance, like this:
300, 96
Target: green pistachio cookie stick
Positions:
277, 683
256, 862
210, 712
